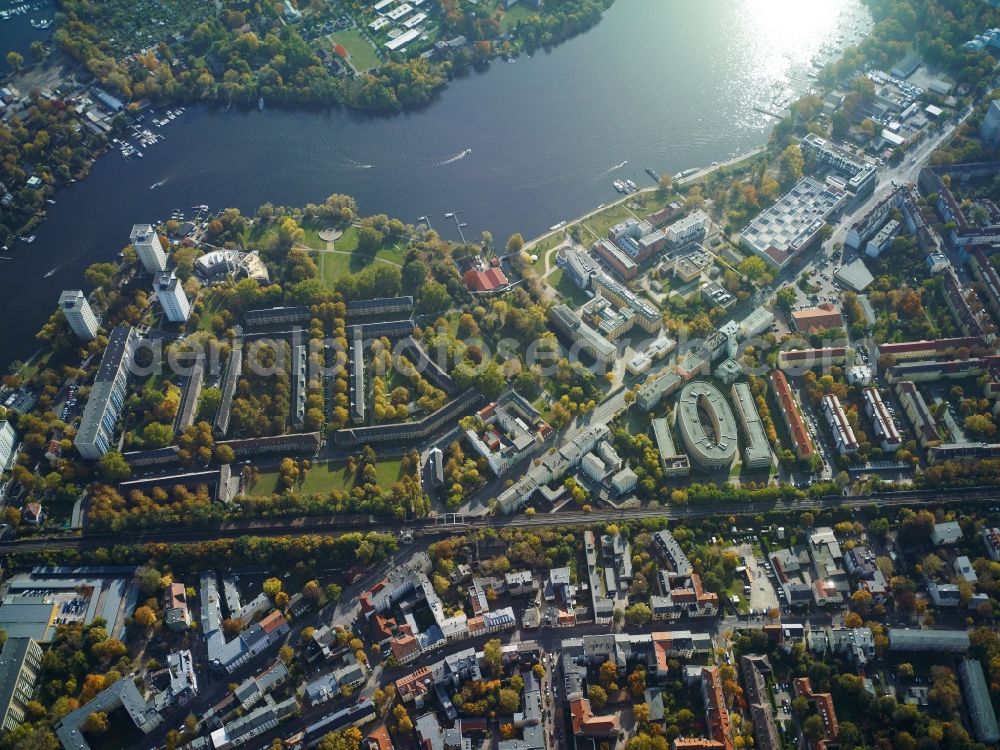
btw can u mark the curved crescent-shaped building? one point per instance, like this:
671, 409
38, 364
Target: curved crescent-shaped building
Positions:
707, 425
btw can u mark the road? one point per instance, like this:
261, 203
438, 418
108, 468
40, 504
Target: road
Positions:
903, 173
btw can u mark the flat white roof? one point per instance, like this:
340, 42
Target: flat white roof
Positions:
411, 22
403, 39
396, 13
893, 138
378, 23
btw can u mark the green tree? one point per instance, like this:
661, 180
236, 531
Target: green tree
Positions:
753, 268
113, 467
638, 614
38, 51
508, 701
786, 298
490, 380
515, 243
157, 435
149, 581
791, 164
433, 298
812, 727
493, 657
101, 274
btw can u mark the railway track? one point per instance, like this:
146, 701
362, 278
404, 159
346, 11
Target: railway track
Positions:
454, 523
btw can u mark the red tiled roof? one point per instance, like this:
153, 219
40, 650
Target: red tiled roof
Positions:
272, 622
793, 419
379, 740
824, 707
716, 713
404, 645
485, 281
817, 318
178, 597
586, 723
416, 683
696, 743
932, 345
778, 256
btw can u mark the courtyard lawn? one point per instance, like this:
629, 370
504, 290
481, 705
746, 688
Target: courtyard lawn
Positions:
570, 292
212, 307
362, 55
324, 476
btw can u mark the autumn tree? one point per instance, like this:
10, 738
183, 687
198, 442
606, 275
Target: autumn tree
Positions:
598, 696
144, 617
96, 723
271, 588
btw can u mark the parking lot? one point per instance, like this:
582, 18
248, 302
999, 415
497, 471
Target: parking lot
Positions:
762, 595
69, 407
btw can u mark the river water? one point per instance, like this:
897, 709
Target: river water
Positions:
668, 84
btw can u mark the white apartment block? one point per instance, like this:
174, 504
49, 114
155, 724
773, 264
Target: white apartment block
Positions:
171, 295
79, 314
148, 248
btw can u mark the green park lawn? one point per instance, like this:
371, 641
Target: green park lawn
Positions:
543, 248
516, 13
363, 56
346, 259
602, 221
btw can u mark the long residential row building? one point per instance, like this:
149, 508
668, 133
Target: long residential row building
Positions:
674, 464
843, 433
885, 426
96, 434
958, 304
756, 447
413, 430
952, 348
806, 359
984, 272
964, 233
918, 413
792, 416
928, 370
